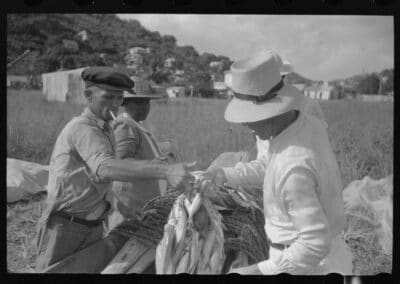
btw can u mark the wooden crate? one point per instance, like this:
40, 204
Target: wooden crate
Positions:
133, 257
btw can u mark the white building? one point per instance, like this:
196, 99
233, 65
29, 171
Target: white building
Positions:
319, 91
175, 91
228, 78
169, 62
83, 35
64, 86
17, 79
216, 65
219, 86
137, 50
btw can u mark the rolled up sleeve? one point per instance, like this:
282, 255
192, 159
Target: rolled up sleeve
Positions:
249, 174
127, 140
300, 199
93, 147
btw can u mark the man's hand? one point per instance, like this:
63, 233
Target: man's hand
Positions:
178, 175
215, 176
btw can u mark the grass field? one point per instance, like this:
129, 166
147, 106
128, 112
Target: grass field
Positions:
361, 136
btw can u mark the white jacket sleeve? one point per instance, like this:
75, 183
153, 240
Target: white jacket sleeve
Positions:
300, 200
249, 174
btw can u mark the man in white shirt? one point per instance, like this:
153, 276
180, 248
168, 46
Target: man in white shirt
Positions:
302, 189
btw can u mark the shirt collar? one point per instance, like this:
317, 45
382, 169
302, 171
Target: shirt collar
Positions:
100, 123
289, 132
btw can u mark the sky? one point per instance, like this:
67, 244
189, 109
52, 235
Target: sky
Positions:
319, 47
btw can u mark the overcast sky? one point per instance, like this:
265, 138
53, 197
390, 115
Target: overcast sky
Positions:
319, 47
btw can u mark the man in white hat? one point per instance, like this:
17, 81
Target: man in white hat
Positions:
302, 189
308, 106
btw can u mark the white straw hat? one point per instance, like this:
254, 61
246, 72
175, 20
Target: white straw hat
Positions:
259, 92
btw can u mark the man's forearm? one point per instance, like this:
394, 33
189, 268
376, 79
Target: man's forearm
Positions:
131, 170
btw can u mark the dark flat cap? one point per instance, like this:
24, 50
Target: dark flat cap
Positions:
107, 78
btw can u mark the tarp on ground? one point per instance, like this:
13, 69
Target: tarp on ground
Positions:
64, 86
25, 178
369, 210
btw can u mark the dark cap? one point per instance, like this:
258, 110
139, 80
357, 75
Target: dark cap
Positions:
107, 78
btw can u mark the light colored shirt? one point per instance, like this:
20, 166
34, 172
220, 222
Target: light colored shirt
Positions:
135, 142
302, 194
74, 185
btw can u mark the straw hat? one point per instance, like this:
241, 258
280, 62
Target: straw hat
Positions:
141, 89
286, 68
259, 92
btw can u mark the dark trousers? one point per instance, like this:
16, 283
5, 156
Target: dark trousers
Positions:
92, 259
59, 238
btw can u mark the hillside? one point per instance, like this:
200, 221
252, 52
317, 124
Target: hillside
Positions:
368, 83
55, 40
294, 78
56, 45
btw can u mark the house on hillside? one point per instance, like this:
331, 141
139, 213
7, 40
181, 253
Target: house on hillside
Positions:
64, 86
83, 35
133, 60
139, 50
176, 91
319, 91
169, 62
179, 76
217, 65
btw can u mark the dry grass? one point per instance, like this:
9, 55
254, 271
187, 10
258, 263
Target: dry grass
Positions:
361, 136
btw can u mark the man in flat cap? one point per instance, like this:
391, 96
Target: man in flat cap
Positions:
83, 166
302, 188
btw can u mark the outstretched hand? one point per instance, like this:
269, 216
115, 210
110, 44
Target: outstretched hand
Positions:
216, 177
178, 175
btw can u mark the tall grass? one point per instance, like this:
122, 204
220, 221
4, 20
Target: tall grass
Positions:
361, 135
33, 125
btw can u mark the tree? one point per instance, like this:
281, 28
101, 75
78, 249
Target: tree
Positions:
387, 84
369, 84
46, 63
